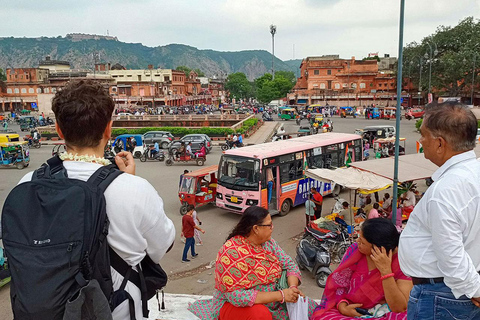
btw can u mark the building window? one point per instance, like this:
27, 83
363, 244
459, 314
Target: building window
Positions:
31, 90
345, 85
47, 90
329, 72
26, 76
386, 85
362, 85
337, 85
9, 90
166, 78
316, 72
54, 90
39, 90
16, 90
353, 85
379, 84
24, 90
322, 85
371, 84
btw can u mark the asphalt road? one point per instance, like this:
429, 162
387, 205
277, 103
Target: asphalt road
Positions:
216, 222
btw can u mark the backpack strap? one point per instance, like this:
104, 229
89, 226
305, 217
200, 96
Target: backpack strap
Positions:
52, 169
104, 176
131, 275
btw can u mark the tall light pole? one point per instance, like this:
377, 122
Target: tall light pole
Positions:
420, 81
433, 53
273, 30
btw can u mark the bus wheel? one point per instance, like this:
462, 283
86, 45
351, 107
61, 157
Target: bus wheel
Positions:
336, 191
286, 205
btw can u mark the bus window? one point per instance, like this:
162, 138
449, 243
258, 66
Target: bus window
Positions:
240, 173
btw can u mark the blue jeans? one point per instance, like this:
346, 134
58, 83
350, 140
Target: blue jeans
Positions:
269, 190
437, 302
189, 243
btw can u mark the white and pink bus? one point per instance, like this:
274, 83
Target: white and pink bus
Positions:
242, 173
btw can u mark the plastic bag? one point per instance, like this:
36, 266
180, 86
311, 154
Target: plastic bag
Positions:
298, 310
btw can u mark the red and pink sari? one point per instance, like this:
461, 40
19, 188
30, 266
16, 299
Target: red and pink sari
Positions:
354, 282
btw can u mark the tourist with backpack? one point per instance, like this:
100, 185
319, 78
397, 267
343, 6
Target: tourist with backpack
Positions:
71, 236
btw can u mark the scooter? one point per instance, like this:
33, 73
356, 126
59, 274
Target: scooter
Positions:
227, 145
147, 155
314, 256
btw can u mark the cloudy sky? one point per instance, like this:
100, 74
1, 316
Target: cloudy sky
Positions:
304, 27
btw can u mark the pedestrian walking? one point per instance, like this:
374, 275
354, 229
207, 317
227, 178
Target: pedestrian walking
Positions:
317, 198
439, 246
309, 210
196, 232
188, 227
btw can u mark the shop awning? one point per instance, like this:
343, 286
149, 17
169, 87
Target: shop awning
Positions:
351, 178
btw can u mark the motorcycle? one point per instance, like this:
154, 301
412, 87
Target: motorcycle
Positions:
227, 145
314, 257
147, 155
35, 143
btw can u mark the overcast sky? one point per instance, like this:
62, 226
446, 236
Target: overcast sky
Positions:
304, 27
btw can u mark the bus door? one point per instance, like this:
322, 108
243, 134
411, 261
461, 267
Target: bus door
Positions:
270, 192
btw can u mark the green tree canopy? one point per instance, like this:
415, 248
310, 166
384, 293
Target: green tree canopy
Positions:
239, 86
452, 67
268, 89
187, 70
3, 76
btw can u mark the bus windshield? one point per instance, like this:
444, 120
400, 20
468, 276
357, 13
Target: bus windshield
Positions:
239, 173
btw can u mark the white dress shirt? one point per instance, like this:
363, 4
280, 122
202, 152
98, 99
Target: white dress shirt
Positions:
409, 199
442, 236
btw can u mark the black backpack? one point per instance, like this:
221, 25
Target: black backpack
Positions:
54, 233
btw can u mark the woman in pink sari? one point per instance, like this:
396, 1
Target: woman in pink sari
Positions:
369, 277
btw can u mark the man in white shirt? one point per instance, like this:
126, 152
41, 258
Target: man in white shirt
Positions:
138, 224
439, 246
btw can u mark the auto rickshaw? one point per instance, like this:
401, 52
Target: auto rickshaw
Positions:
198, 188
287, 114
390, 113
120, 144
385, 147
14, 154
27, 122
347, 111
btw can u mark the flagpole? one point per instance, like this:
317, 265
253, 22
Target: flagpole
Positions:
398, 111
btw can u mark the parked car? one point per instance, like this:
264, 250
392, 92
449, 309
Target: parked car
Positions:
414, 113
162, 137
195, 139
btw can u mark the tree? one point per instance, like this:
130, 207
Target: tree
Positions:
3, 76
187, 70
239, 86
452, 67
289, 75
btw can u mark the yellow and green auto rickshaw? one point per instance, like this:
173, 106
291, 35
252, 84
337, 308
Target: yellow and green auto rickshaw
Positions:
14, 154
287, 114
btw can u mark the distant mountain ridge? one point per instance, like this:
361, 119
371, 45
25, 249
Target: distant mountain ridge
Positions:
27, 52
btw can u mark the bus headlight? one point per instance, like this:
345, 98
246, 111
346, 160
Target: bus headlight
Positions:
219, 196
251, 202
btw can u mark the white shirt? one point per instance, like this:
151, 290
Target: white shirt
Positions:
138, 224
442, 235
409, 199
387, 203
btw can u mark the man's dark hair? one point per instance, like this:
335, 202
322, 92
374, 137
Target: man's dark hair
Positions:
376, 205
454, 122
83, 110
185, 171
381, 232
252, 216
190, 207
345, 204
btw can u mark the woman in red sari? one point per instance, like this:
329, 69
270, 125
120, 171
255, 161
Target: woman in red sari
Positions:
369, 277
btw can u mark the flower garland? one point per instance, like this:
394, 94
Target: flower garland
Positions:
84, 158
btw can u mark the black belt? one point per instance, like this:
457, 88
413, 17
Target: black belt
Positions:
417, 281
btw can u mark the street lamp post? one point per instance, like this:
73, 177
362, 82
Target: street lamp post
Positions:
420, 81
273, 30
433, 53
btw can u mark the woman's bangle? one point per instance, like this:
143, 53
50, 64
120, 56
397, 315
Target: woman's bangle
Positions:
387, 276
283, 296
343, 300
293, 286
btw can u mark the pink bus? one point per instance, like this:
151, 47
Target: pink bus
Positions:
243, 172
